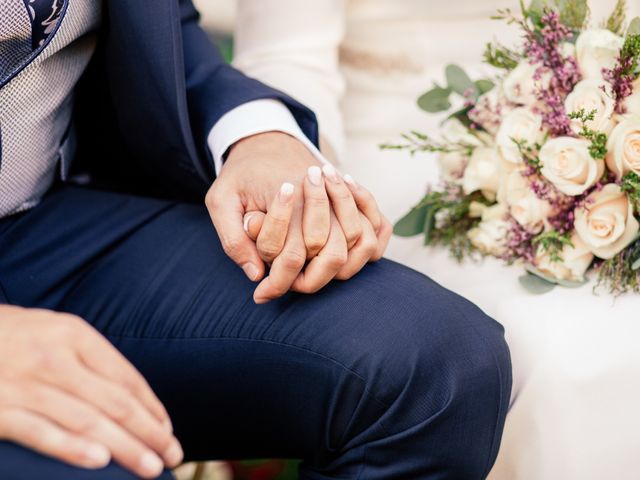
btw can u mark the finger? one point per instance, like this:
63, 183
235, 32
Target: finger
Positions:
227, 212
37, 433
324, 267
365, 201
122, 409
252, 223
273, 234
361, 252
317, 212
286, 266
82, 419
343, 205
384, 235
101, 357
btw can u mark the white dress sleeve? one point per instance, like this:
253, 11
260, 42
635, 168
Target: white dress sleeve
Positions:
292, 45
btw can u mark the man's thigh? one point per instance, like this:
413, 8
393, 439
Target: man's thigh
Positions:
18, 463
387, 354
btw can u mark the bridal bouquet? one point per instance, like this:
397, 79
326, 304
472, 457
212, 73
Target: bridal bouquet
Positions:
541, 165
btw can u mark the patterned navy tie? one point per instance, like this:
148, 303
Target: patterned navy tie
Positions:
44, 15
24, 26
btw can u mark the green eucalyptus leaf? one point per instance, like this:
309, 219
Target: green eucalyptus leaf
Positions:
571, 283
634, 27
535, 10
636, 265
458, 80
535, 284
462, 116
412, 223
435, 100
429, 223
573, 13
484, 85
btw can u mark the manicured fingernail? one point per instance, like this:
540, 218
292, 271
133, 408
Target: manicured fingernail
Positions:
97, 456
331, 173
151, 464
174, 455
348, 179
247, 221
286, 192
251, 271
315, 175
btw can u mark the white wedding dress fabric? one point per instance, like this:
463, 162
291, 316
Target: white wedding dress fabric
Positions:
361, 64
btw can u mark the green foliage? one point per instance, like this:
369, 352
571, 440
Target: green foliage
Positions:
631, 49
598, 146
419, 142
529, 153
499, 56
535, 284
631, 186
615, 22
459, 82
443, 218
634, 27
552, 242
435, 100
573, 13
621, 274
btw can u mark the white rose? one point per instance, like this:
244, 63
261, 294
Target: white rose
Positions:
575, 262
605, 222
452, 165
623, 147
482, 172
597, 49
490, 236
519, 124
524, 205
568, 165
632, 102
589, 95
520, 86
453, 131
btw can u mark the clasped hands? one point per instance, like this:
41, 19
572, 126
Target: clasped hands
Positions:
272, 206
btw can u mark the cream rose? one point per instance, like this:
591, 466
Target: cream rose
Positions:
519, 124
524, 205
490, 236
575, 262
589, 95
482, 172
605, 223
567, 164
632, 102
452, 165
453, 131
623, 147
597, 49
520, 87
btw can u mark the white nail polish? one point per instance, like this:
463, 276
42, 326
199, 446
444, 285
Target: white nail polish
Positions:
151, 464
286, 192
349, 180
247, 221
331, 173
315, 175
97, 455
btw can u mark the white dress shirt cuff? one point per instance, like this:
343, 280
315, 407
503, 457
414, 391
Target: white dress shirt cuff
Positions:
251, 118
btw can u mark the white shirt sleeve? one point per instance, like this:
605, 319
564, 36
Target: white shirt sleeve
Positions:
258, 116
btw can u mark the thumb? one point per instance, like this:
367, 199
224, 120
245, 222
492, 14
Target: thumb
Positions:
252, 223
227, 215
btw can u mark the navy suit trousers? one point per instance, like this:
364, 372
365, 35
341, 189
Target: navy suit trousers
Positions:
385, 376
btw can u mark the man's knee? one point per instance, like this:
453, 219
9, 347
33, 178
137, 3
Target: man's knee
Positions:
437, 367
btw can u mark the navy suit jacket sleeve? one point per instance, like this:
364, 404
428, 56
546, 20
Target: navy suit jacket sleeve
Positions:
214, 87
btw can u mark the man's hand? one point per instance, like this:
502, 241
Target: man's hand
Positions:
309, 216
66, 392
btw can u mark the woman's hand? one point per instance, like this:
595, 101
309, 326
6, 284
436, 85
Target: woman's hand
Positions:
332, 258
66, 392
